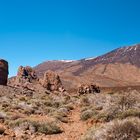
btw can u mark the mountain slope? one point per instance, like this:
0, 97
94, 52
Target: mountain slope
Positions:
120, 67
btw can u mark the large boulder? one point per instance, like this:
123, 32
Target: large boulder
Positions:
88, 88
25, 75
3, 72
51, 81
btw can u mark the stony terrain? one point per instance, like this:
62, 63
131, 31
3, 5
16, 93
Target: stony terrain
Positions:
27, 114
90, 99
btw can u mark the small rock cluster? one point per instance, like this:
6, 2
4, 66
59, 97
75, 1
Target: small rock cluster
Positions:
89, 88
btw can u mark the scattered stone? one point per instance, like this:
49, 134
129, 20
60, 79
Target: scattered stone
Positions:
2, 130
85, 89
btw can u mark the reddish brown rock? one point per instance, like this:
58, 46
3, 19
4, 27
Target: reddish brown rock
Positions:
91, 88
25, 75
27, 78
3, 72
52, 82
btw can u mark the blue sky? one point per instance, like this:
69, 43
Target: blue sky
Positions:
32, 31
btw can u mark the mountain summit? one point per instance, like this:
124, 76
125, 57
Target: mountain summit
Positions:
129, 54
120, 67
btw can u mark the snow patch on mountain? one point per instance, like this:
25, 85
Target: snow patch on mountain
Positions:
90, 58
67, 61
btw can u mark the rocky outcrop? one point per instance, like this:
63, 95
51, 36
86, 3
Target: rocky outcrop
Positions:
91, 88
25, 75
26, 78
51, 81
3, 72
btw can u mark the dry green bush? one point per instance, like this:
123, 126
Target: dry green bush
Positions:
127, 129
88, 113
47, 128
122, 106
109, 107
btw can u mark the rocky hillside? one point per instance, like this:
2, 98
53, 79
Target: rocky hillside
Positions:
39, 108
119, 67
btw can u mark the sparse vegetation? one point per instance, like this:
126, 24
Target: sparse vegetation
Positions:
128, 129
109, 107
48, 128
43, 114
87, 114
40, 127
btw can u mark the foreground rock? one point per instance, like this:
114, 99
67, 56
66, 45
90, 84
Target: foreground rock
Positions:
3, 72
85, 89
52, 82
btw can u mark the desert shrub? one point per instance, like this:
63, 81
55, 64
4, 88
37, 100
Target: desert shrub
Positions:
22, 98
56, 104
111, 106
120, 106
104, 117
129, 113
127, 129
67, 99
126, 101
60, 114
48, 103
85, 101
97, 100
57, 114
15, 123
48, 110
47, 128
87, 114
69, 106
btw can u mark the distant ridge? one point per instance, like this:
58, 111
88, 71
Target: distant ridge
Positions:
120, 67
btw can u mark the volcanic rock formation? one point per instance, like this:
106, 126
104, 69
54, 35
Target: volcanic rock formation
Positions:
3, 72
25, 75
51, 81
